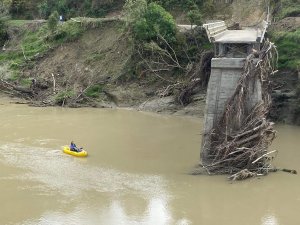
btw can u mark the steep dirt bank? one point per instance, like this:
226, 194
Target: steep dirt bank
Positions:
95, 70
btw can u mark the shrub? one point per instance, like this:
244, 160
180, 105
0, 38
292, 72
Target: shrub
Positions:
134, 9
75, 8
26, 82
195, 17
61, 97
68, 31
288, 8
94, 91
3, 33
171, 4
288, 48
4, 8
155, 21
17, 7
34, 42
43, 9
292, 12
53, 21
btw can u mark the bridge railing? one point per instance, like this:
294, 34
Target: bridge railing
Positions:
263, 28
214, 28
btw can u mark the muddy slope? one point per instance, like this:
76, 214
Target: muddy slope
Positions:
99, 55
102, 56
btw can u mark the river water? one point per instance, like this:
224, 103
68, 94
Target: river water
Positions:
136, 172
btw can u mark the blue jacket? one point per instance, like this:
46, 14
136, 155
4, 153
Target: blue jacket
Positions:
73, 146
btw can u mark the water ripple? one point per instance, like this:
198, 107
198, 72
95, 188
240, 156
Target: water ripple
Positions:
70, 176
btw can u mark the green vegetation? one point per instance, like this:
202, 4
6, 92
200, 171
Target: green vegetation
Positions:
53, 21
195, 17
288, 48
149, 21
4, 8
185, 5
23, 9
94, 91
286, 8
154, 22
66, 32
159, 47
26, 82
74, 8
34, 42
15, 76
3, 33
203, 7
287, 40
3, 27
95, 56
134, 10
17, 23
62, 96
31, 9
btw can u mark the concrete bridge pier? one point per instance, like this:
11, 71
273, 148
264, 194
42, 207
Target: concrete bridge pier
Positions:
225, 74
231, 49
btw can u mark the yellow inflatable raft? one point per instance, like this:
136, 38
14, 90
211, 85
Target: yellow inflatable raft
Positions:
67, 150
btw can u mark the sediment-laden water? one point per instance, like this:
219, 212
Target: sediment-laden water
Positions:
136, 172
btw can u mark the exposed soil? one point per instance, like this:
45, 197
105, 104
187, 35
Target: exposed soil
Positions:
248, 13
99, 57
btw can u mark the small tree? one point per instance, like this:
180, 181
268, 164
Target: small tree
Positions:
195, 17
4, 8
43, 9
53, 21
17, 7
209, 8
156, 21
134, 10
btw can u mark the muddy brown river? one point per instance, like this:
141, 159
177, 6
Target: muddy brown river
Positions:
136, 172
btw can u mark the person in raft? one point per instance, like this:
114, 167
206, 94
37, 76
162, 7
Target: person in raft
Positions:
74, 148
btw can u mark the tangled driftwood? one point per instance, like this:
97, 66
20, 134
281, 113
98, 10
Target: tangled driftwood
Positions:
197, 76
240, 140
